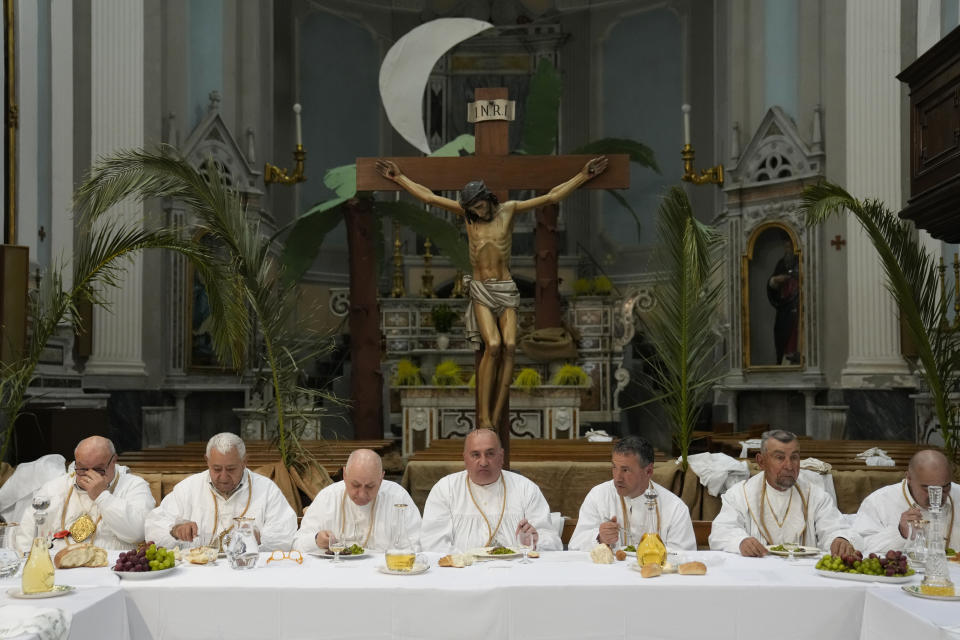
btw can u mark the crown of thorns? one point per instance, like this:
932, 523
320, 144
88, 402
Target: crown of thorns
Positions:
472, 192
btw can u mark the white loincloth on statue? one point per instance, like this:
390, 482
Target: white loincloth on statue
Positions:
496, 295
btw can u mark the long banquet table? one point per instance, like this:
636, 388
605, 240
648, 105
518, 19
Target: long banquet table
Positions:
560, 595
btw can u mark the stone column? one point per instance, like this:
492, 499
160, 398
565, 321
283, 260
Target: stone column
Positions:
61, 135
117, 122
873, 168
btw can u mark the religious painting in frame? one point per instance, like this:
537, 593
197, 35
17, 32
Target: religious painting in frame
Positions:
771, 283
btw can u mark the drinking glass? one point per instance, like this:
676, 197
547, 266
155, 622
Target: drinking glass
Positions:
917, 543
792, 542
337, 544
525, 542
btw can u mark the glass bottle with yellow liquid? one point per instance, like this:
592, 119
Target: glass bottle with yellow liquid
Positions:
936, 576
651, 547
38, 571
401, 555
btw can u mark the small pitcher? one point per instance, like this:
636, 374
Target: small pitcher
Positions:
917, 543
243, 550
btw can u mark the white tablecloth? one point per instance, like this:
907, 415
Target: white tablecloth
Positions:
562, 595
889, 613
97, 606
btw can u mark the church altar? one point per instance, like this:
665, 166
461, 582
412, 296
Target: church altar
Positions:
605, 325
561, 595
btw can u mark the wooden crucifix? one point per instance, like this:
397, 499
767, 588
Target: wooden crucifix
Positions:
490, 227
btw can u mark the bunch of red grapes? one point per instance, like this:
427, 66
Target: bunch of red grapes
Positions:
133, 560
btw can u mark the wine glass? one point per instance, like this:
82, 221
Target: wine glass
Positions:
337, 544
525, 542
792, 542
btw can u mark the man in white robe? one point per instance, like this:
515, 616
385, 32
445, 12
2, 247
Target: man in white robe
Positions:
362, 505
884, 516
96, 491
483, 505
615, 512
203, 506
772, 507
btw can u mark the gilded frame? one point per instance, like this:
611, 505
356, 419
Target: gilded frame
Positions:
745, 332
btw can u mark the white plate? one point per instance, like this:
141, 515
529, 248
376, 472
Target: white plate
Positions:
58, 590
862, 577
143, 575
799, 553
914, 590
417, 569
323, 555
483, 553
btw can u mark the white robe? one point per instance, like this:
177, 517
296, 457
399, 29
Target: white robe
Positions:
603, 502
740, 516
195, 500
878, 520
324, 514
451, 520
121, 511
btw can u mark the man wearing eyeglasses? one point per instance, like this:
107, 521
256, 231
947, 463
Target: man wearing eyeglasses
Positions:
885, 515
361, 506
96, 501
203, 506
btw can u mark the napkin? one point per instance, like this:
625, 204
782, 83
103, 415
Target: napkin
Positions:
46, 624
813, 464
876, 457
598, 436
717, 471
753, 443
17, 492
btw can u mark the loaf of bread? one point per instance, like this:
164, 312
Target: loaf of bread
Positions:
692, 569
80, 555
445, 561
651, 570
533, 554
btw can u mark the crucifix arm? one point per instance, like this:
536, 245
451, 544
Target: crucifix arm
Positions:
591, 169
389, 169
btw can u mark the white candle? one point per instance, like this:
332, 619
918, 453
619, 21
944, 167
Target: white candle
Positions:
296, 111
686, 123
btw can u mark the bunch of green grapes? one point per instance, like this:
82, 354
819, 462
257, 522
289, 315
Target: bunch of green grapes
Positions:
159, 558
894, 563
834, 563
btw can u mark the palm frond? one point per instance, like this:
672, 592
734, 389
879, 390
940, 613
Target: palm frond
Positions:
626, 205
441, 233
679, 326
912, 277
639, 153
542, 110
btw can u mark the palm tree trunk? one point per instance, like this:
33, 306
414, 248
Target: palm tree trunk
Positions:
366, 378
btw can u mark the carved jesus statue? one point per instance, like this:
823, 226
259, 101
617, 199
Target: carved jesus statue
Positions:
491, 315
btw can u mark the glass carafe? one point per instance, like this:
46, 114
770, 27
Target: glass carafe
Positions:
9, 558
243, 549
38, 571
651, 548
936, 578
917, 543
401, 555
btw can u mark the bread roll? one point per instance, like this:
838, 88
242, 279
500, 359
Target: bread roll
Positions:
650, 570
99, 558
77, 555
445, 561
621, 554
601, 554
692, 569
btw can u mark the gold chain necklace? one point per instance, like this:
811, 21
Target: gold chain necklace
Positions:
373, 514
626, 520
762, 525
216, 513
911, 504
503, 508
88, 526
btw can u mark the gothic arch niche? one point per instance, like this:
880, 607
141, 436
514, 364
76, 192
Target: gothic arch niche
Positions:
772, 298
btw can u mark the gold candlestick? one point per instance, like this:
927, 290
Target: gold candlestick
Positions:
276, 175
426, 282
398, 290
457, 290
713, 175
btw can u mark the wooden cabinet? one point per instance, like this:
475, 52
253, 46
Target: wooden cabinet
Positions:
934, 81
